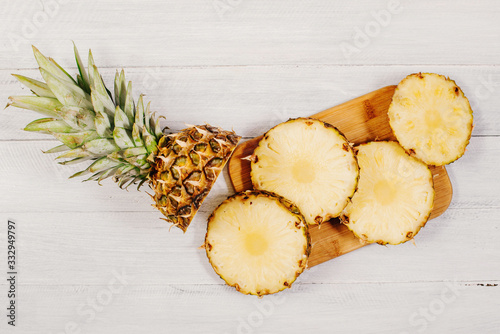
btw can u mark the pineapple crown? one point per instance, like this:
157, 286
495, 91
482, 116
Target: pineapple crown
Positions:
118, 137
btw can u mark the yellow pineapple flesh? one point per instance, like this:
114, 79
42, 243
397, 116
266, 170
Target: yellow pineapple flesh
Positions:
257, 242
310, 163
431, 118
395, 195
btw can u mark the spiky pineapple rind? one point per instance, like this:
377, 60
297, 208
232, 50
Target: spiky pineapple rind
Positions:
187, 165
301, 225
414, 145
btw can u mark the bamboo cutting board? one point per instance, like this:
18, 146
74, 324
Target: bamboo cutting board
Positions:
361, 120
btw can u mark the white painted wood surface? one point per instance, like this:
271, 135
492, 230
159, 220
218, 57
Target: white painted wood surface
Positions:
245, 65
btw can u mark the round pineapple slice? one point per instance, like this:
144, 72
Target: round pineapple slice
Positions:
395, 195
308, 162
431, 118
257, 242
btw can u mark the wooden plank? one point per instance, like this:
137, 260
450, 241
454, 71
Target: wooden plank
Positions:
360, 120
33, 182
250, 67
78, 247
252, 99
202, 32
128, 307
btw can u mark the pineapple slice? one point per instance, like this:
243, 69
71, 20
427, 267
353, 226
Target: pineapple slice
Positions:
257, 242
431, 118
308, 162
394, 198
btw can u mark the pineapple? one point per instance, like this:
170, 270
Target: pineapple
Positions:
257, 242
308, 162
395, 195
431, 118
124, 140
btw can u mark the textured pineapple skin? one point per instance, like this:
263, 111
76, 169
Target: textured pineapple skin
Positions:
415, 149
304, 229
185, 168
347, 147
344, 218
122, 139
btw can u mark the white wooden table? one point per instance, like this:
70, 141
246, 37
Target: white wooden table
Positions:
96, 259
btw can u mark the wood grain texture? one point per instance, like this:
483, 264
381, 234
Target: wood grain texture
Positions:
252, 99
218, 309
23, 166
204, 33
249, 67
361, 120
144, 246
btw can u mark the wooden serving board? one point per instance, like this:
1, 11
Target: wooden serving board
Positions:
362, 119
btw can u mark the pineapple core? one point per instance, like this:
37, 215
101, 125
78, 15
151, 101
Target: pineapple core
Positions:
303, 171
256, 243
385, 192
433, 120
395, 195
310, 163
431, 117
